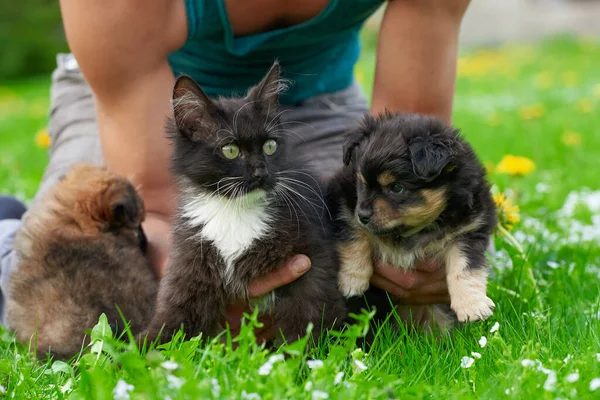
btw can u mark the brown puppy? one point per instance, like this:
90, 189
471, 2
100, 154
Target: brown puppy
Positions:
82, 253
413, 188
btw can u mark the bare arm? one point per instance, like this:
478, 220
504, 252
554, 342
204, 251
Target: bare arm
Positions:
416, 56
416, 72
121, 47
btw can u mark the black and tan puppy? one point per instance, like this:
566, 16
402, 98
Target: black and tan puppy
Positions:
82, 253
413, 188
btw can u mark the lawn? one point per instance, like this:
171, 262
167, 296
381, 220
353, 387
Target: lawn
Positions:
539, 101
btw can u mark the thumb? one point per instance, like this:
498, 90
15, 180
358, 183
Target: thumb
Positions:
288, 273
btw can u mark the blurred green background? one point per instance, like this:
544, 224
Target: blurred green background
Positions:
30, 36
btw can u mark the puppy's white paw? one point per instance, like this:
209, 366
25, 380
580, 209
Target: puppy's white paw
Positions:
352, 285
473, 309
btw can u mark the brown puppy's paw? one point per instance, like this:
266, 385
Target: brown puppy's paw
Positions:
469, 309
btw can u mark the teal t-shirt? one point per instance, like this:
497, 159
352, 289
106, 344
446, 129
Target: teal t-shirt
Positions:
318, 55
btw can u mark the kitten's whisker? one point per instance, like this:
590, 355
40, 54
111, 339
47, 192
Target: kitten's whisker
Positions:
236, 114
310, 203
275, 119
291, 207
299, 171
309, 187
291, 131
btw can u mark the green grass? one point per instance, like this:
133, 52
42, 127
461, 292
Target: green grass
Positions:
548, 303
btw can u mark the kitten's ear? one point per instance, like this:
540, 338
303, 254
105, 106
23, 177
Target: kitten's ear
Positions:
356, 137
193, 111
268, 90
429, 156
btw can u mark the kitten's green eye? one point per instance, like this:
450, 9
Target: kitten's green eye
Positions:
396, 188
231, 151
270, 147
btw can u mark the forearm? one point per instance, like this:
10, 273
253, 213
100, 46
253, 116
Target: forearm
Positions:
122, 48
134, 141
416, 57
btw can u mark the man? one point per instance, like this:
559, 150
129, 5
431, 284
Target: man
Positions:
129, 53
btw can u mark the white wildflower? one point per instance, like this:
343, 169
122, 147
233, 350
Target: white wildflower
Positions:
338, 378
250, 396
314, 364
598, 357
308, 386
216, 388
318, 395
574, 377
567, 358
550, 384
122, 390
527, 363
265, 369
476, 354
495, 327
482, 342
542, 187
553, 264
595, 384
360, 366
170, 365
175, 382
276, 357
2, 389
466, 362
509, 391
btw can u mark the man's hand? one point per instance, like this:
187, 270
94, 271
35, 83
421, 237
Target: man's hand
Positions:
288, 273
425, 285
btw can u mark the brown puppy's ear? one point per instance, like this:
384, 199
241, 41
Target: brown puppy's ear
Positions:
193, 111
268, 90
430, 155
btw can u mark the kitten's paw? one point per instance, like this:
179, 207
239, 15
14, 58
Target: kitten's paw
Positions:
352, 285
470, 309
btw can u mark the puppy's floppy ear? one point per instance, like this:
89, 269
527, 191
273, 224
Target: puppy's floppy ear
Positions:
430, 155
193, 111
268, 90
355, 138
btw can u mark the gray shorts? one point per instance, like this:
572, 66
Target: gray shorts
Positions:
318, 124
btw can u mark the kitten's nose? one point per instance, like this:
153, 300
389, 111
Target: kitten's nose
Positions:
364, 215
260, 173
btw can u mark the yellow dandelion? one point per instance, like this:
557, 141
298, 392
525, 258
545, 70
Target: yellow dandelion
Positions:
42, 139
489, 167
543, 80
571, 138
360, 76
532, 111
597, 90
482, 63
515, 165
584, 105
569, 78
494, 119
507, 212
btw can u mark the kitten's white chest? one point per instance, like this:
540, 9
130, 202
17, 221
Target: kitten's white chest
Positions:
232, 225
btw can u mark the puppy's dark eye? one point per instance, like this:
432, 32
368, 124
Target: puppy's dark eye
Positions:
396, 188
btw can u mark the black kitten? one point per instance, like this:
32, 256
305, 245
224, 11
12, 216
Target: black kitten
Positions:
414, 188
245, 207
